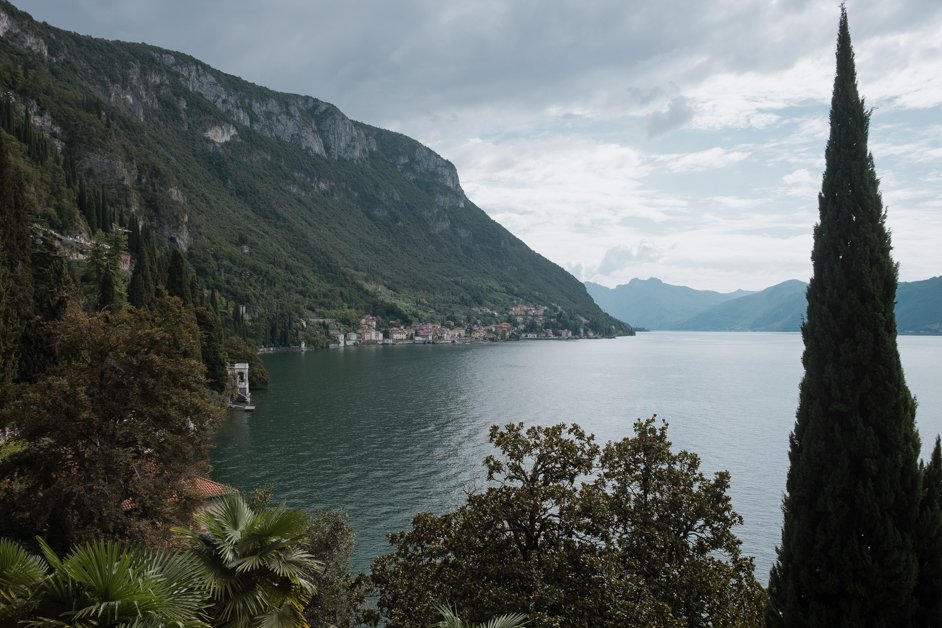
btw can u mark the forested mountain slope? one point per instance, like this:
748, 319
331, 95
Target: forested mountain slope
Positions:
281, 203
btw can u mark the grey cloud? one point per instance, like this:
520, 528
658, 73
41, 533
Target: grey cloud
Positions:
385, 61
619, 259
678, 113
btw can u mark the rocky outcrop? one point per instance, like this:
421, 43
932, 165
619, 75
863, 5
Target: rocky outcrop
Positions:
108, 169
342, 138
21, 35
220, 134
420, 163
316, 126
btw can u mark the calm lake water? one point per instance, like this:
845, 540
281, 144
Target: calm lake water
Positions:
386, 432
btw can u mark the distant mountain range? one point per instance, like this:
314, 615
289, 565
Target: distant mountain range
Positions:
653, 304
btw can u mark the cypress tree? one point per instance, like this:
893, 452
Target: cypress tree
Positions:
929, 543
178, 278
142, 291
211, 349
8, 328
16, 240
847, 556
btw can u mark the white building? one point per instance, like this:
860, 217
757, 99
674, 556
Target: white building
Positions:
240, 374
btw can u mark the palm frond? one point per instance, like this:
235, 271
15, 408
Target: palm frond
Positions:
450, 619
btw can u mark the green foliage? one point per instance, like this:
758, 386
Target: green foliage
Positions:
853, 490
106, 583
929, 543
142, 291
122, 415
104, 266
238, 350
450, 619
211, 349
18, 124
571, 534
20, 576
101, 584
179, 278
339, 599
259, 572
8, 327
16, 209
34, 275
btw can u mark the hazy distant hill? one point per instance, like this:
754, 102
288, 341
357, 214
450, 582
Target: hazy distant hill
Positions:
655, 305
281, 203
778, 308
919, 306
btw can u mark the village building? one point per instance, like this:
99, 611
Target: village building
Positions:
239, 372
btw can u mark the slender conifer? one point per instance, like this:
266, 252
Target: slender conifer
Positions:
847, 556
929, 543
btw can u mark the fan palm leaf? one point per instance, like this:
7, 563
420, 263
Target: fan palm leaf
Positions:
259, 574
108, 584
21, 573
450, 619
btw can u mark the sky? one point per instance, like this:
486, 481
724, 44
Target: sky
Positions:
677, 139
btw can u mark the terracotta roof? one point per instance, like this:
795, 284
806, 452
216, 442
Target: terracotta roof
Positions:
207, 489
203, 487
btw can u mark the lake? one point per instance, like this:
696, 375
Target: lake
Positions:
386, 432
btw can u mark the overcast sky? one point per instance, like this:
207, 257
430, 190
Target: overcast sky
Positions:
677, 139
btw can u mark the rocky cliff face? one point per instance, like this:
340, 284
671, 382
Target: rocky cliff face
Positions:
314, 125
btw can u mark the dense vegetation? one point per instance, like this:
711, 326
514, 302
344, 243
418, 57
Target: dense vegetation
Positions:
285, 209
572, 534
241, 567
860, 535
111, 384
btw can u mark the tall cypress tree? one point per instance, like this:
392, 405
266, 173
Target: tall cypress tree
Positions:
847, 556
929, 543
142, 290
178, 277
16, 240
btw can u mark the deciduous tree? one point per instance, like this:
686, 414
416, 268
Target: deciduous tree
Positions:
573, 535
122, 419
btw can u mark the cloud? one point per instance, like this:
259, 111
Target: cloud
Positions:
620, 259
678, 112
709, 159
801, 182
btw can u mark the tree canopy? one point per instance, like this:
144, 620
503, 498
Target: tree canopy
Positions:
573, 534
120, 422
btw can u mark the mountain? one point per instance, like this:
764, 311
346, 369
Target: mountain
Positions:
919, 306
778, 308
653, 304
283, 205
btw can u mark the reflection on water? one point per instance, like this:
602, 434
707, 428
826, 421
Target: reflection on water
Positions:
385, 432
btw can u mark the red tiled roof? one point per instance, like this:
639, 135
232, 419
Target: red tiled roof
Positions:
203, 487
207, 489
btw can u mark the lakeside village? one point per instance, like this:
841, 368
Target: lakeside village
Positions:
524, 322
521, 322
